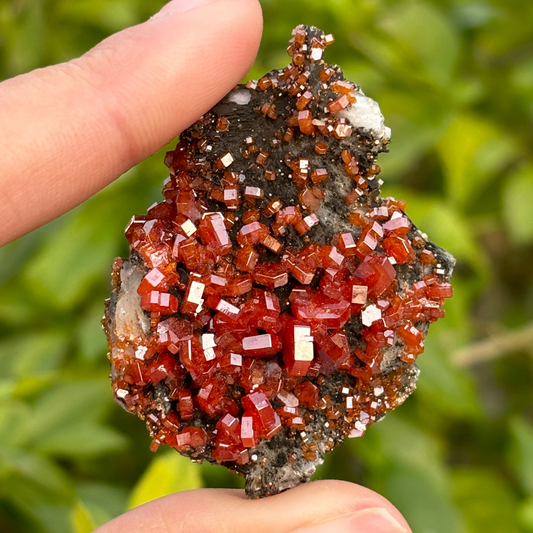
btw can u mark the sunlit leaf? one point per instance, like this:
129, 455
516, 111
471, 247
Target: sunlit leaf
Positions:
167, 473
82, 521
521, 452
517, 205
526, 514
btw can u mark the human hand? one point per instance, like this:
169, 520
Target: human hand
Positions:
70, 129
319, 507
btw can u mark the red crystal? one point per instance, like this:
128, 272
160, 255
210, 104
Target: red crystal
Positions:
400, 248
305, 122
252, 233
159, 302
271, 275
298, 350
154, 280
258, 406
321, 309
249, 436
307, 394
377, 273
213, 232
400, 225
265, 345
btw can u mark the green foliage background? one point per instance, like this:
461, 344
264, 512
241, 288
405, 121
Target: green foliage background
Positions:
454, 79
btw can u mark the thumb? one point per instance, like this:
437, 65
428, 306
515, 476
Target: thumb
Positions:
319, 507
70, 129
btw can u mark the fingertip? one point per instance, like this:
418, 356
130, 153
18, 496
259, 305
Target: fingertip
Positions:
353, 498
327, 499
309, 506
153, 80
116, 105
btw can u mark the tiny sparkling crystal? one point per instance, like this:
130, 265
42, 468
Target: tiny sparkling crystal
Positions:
273, 303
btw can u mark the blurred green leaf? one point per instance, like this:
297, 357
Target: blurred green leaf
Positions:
113, 15
103, 501
83, 439
76, 258
14, 254
36, 353
415, 479
43, 471
91, 338
485, 500
405, 444
473, 151
48, 511
15, 417
167, 473
517, 205
425, 35
521, 452
418, 121
70, 404
427, 508
448, 388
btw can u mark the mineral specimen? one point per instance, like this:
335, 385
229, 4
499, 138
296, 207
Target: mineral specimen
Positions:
273, 303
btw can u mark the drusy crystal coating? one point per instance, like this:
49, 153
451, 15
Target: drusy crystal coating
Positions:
273, 303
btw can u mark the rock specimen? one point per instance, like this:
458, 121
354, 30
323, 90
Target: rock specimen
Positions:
273, 303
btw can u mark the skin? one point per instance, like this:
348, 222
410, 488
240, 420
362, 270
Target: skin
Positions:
315, 505
95, 117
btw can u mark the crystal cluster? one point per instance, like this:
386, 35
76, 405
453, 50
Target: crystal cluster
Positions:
273, 303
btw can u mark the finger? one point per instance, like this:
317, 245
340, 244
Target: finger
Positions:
313, 507
70, 129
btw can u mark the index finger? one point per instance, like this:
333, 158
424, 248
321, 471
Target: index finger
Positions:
70, 129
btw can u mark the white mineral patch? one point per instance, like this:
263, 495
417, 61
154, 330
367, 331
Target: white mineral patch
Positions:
130, 320
365, 113
208, 341
370, 314
240, 97
303, 344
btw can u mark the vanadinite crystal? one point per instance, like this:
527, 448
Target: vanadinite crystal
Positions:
273, 303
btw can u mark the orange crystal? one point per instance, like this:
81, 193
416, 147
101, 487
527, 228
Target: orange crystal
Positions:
272, 299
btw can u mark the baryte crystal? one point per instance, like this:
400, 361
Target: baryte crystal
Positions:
273, 303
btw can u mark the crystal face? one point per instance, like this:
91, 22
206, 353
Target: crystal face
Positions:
273, 303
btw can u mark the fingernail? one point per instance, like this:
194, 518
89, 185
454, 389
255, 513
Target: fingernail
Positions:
181, 6
374, 520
